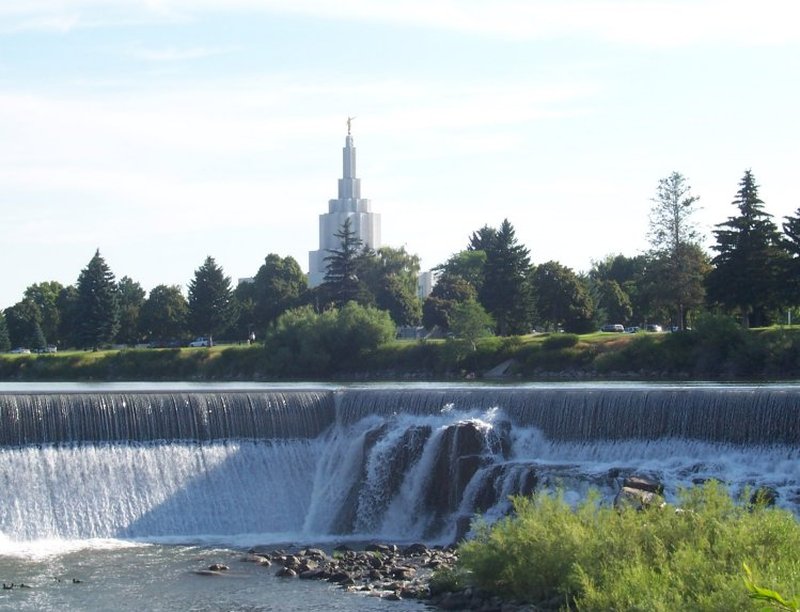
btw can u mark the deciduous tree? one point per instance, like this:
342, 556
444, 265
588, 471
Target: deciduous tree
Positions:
390, 275
67, 303
632, 276
164, 315
24, 324
448, 292
562, 299
5, 341
131, 300
279, 285
469, 322
45, 296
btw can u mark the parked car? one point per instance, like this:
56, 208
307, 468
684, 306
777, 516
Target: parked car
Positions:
201, 341
654, 328
613, 327
632, 330
21, 351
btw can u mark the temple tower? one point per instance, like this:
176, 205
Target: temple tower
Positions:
365, 223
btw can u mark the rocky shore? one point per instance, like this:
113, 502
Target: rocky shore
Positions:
380, 570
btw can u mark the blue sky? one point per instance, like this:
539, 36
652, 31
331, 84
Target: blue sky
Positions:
163, 131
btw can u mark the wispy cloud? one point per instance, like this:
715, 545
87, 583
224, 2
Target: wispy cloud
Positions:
649, 23
178, 54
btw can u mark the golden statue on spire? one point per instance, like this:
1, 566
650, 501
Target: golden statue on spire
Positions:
349, 122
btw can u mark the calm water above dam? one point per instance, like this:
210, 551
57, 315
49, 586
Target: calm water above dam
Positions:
131, 487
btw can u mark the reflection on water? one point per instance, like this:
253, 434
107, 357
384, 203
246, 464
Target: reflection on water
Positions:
122, 577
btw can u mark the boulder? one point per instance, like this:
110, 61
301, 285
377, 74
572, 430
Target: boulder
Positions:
643, 484
636, 498
414, 550
764, 495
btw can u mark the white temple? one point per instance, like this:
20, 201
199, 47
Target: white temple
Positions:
365, 223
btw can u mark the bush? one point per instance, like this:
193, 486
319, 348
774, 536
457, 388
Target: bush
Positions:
596, 557
302, 342
560, 341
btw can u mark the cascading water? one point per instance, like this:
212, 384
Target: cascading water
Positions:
395, 463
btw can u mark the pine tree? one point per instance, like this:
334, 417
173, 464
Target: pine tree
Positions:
674, 241
210, 300
341, 284
97, 306
506, 293
790, 274
745, 273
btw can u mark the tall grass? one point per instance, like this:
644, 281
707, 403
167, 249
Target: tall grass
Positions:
594, 557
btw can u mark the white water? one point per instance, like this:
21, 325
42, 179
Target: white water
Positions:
332, 486
132, 517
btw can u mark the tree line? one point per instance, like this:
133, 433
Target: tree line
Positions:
490, 286
99, 310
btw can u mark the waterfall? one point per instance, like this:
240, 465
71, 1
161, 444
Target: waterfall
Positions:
56, 418
396, 463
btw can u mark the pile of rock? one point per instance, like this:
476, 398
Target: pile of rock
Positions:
382, 570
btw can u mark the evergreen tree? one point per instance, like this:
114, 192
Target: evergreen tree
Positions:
505, 293
664, 283
164, 314
674, 242
131, 299
342, 284
790, 274
97, 305
745, 274
210, 300
5, 341
483, 239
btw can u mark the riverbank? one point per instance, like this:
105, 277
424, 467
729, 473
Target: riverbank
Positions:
719, 351
386, 571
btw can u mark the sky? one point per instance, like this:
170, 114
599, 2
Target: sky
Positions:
164, 131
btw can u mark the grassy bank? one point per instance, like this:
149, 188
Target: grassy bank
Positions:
691, 556
717, 351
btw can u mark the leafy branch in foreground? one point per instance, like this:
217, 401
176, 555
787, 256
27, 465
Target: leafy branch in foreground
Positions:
775, 599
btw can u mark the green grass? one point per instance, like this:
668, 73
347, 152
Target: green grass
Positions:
716, 350
594, 557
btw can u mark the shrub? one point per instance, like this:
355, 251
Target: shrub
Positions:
303, 342
595, 557
559, 341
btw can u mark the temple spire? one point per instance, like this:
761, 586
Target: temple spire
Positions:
349, 205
